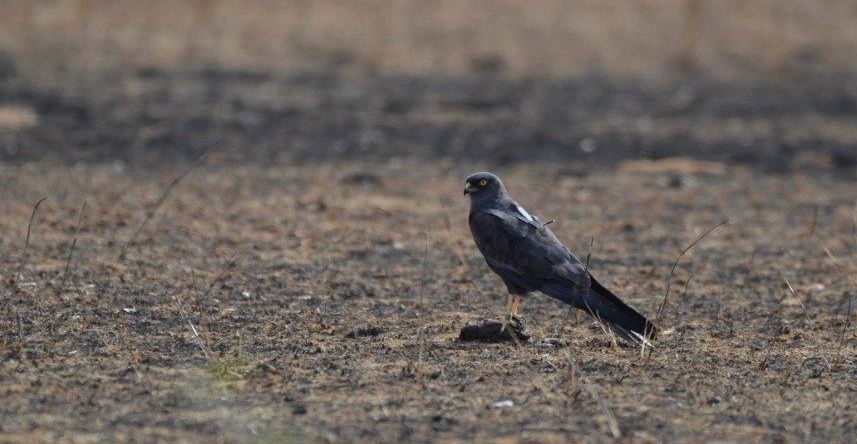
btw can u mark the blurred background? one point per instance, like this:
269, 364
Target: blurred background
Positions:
769, 83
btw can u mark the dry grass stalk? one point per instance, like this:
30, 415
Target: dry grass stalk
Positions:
456, 247
794, 294
607, 331
805, 313
421, 335
749, 267
675, 265
612, 422
810, 230
424, 276
663, 304
229, 263
573, 371
854, 216
177, 180
571, 311
193, 329
73, 245
198, 339
684, 292
776, 319
29, 227
850, 278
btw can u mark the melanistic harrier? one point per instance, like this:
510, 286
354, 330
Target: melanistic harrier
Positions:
529, 258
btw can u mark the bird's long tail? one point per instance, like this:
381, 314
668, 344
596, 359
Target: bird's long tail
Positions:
618, 316
614, 314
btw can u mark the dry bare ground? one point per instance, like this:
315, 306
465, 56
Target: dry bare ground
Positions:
324, 302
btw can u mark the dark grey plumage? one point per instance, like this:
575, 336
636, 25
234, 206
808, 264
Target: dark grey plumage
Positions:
528, 258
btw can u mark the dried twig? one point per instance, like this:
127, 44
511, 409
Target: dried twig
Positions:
778, 327
573, 372
612, 422
229, 263
854, 216
810, 230
73, 244
672, 274
585, 270
850, 278
456, 250
192, 273
749, 267
193, 330
29, 226
607, 331
588, 255
840, 267
199, 161
424, 277
198, 339
794, 294
421, 333
675, 265
684, 292
805, 313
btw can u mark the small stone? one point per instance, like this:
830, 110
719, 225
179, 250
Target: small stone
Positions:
504, 404
490, 331
817, 287
588, 145
361, 332
675, 181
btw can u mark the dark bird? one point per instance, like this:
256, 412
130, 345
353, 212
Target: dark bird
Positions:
528, 258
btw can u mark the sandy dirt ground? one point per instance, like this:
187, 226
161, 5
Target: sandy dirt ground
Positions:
308, 279
323, 301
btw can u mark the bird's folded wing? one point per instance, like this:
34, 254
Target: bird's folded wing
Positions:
529, 250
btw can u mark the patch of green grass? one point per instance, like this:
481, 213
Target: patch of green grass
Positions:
228, 372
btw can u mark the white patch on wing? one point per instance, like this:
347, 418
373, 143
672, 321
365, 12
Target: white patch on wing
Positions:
524, 213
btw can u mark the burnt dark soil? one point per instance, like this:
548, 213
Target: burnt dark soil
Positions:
290, 303
309, 280
773, 122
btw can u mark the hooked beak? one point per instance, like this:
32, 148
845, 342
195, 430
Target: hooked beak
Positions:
468, 189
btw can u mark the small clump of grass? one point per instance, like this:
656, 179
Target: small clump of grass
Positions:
228, 372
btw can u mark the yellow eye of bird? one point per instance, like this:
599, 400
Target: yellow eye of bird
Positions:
483, 182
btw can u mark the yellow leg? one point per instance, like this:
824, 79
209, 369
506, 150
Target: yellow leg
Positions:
513, 302
506, 317
516, 304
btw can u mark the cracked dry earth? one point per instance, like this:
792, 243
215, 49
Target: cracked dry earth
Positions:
324, 302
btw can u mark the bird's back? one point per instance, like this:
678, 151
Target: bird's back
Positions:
517, 245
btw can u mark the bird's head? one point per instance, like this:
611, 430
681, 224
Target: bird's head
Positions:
481, 185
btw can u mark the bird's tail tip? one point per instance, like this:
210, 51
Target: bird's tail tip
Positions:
639, 339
